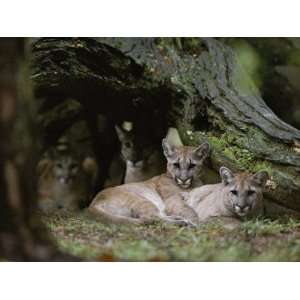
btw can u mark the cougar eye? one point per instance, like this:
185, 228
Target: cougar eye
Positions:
249, 193
234, 192
176, 165
192, 166
59, 165
127, 144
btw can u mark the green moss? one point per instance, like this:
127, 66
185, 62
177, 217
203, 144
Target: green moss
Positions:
262, 165
230, 146
229, 154
218, 144
242, 158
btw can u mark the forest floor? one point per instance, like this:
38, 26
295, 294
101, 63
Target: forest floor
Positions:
259, 240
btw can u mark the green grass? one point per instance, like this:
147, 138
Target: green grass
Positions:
258, 240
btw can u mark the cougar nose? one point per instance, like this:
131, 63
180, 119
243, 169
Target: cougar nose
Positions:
60, 206
242, 206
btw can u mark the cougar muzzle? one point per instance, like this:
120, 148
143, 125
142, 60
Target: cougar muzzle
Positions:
184, 183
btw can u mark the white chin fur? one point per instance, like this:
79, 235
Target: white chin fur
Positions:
242, 214
185, 186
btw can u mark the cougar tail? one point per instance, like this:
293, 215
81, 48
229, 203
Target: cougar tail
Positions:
106, 217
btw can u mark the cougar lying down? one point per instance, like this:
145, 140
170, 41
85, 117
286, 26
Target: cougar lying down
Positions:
154, 199
65, 182
238, 196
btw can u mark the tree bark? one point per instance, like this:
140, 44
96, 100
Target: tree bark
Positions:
275, 68
194, 84
22, 236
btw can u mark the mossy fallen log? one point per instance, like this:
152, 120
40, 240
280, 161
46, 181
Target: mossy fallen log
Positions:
195, 84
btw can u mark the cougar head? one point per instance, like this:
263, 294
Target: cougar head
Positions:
66, 168
131, 146
244, 190
184, 163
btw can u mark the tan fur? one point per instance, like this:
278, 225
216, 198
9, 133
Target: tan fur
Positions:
150, 166
152, 162
154, 199
121, 172
143, 202
184, 164
138, 161
218, 201
54, 195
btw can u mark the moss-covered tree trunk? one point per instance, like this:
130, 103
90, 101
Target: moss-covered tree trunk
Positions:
22, 236
195, 84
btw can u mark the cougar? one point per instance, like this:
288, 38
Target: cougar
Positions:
65, 182
138, 160
154, 199
238, 196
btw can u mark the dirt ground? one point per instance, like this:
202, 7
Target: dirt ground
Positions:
257, 240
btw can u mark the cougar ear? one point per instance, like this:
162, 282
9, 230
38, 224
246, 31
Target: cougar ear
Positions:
168, 149
261, 178
201, 152
226, 175
120, 132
